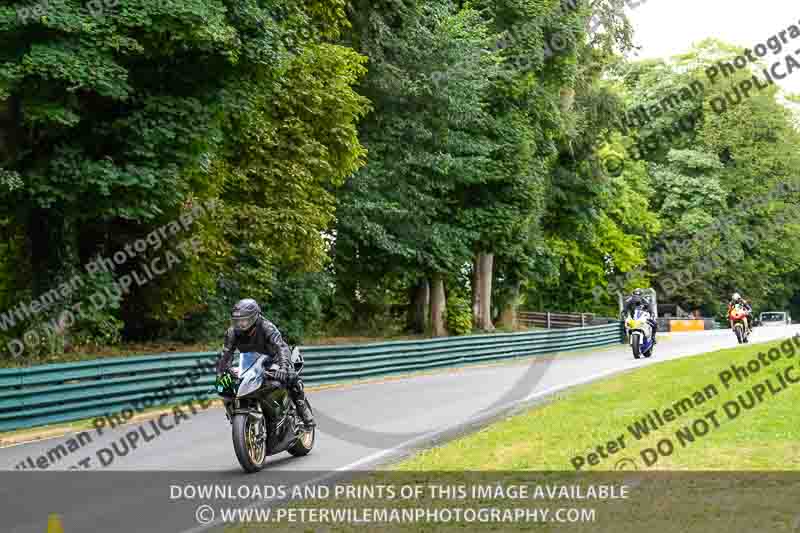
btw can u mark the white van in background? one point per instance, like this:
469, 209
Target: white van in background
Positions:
774, 318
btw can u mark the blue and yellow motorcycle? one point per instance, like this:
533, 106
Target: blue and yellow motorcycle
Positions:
640, 333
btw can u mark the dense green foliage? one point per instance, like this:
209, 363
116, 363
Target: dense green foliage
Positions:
459, 316
724, 189
119, 123
358, 152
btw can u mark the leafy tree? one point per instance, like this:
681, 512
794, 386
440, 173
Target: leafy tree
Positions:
428, 139
720, 180
509, 199
116, 123
292, 145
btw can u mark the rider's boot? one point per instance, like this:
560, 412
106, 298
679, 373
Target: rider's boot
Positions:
299, 398
305, 414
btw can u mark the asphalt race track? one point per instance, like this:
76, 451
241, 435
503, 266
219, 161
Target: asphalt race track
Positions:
361, 426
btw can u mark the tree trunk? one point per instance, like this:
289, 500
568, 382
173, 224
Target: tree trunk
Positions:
567, 99
423, 305
10, 130
53, 252
476, 291
482, 296
419, 296
509, 315
438, 307
53, 249
410, 319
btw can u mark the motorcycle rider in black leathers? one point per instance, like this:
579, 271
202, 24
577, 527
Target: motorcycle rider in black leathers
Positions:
637, 300
251, 332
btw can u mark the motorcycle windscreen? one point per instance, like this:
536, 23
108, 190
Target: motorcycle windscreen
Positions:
247, 360
252, 376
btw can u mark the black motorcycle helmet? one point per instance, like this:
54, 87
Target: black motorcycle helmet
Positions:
637, 292
244, 315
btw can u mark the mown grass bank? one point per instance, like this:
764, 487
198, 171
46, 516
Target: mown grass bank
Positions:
766, 437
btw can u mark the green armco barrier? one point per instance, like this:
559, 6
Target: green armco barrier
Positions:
48, 394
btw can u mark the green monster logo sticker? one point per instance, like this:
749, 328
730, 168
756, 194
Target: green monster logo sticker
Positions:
224, 382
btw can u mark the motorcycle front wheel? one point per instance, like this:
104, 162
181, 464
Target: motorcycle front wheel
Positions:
635, 346
250, 442
739, 331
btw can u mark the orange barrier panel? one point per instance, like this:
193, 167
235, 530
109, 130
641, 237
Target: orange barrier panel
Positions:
687, 325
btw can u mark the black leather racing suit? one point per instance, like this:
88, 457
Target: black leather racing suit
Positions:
265, 338
633, 302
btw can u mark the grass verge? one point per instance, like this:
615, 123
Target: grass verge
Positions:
766, 437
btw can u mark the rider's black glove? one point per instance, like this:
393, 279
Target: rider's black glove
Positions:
281, 375
223, 365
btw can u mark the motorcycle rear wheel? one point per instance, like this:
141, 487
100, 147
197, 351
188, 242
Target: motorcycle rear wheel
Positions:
305, 442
